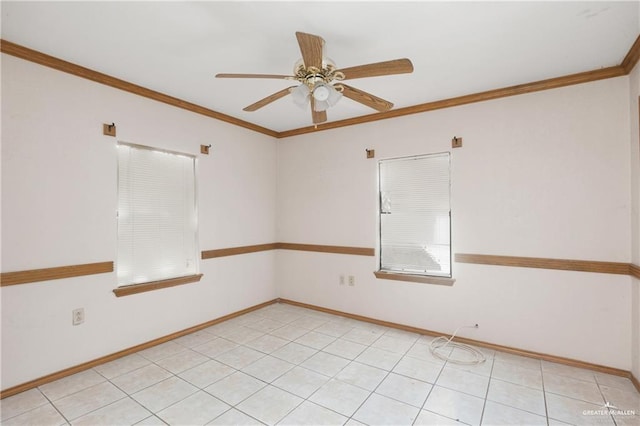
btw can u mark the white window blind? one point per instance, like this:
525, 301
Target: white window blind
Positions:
157, 225
415, 215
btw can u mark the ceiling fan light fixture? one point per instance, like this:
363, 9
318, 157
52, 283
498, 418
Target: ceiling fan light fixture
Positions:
320, 81
299, 67
300, 95
328, 63
321, 92
325, 96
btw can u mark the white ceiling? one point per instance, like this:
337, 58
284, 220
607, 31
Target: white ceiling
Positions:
457, 48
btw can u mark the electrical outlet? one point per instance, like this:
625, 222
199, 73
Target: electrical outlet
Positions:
341, 280
78, 316
352, 280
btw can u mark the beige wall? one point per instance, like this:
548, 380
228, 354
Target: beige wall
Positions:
59, 192
545, 175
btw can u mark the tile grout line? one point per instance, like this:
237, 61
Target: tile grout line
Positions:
430, 390
486, 394
544, 394
307, 399
604, 398
199, 389
349, 363
126, 395
350, 417
173, 375
170, 405
32, 408
271, 384
52, 403
54, 406
336, 319
385, 377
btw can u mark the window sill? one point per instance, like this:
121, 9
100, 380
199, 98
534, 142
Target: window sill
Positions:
423, 279
155, 285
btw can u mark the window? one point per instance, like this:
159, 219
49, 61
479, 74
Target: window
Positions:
157, 222
415, 233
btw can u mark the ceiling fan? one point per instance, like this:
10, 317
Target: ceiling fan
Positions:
321, 82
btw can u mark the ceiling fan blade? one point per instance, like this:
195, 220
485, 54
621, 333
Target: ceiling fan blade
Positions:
277, 76
317, 116
396, 66
311, 49
266, 101
365, 98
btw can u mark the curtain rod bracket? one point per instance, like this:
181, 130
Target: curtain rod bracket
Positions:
109, 129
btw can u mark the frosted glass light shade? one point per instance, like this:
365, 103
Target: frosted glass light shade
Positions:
300, 95
321, 93
325, 96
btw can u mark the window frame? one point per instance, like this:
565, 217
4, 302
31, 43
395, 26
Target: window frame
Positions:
415, 277
134, 288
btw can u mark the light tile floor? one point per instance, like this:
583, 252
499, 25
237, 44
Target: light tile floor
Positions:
292, 366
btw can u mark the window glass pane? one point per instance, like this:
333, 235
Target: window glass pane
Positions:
414, 215
156, 215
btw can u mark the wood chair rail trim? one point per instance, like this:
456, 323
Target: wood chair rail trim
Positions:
69, 271
357, 251
55, 273
546, 263
232, 251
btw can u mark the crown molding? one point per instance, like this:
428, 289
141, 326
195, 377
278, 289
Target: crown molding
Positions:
625, 67
520, 89
58, 64
632, 57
